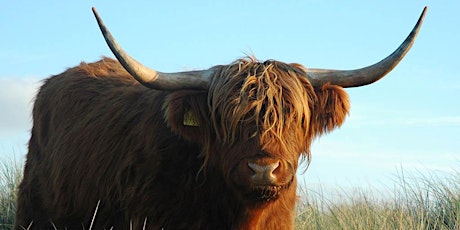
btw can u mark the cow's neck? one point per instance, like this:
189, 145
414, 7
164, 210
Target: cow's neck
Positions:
249, 219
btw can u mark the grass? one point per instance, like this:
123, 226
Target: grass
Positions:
417, 202
10, 177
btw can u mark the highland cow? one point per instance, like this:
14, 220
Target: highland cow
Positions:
123, 146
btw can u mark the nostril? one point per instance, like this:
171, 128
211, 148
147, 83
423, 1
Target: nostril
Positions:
256, 169
274, 167
264, 173
253, 167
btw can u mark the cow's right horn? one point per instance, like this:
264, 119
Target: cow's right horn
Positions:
369, 74
149, 77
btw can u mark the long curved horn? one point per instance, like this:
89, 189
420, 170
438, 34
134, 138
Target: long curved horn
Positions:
149, 77
369, 74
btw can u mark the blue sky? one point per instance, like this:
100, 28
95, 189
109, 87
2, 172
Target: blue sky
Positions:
409, 120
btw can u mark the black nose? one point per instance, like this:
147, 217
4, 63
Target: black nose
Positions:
264, 174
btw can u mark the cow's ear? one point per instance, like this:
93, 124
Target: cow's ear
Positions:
186, 113
329, 110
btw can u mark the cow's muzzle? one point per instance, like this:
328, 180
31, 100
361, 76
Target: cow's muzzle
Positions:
264, 174
264, 178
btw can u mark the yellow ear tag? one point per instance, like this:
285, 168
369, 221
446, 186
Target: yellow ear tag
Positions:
190, 119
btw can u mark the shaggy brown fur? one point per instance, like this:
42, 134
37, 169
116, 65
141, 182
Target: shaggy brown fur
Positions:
99, 136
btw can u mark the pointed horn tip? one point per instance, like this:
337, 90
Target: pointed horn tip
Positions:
425, 9
96, 14
422, 16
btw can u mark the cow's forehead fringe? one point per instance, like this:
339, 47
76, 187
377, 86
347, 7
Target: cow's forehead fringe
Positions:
269, 98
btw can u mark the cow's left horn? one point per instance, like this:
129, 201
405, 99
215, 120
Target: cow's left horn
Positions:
152, 78
369, 74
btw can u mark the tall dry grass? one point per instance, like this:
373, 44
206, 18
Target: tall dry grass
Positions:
417, 202
10, 177
421, 201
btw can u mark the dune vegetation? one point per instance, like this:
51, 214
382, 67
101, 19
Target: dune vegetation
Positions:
10, 177
417, 201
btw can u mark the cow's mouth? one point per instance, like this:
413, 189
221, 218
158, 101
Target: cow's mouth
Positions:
267, 193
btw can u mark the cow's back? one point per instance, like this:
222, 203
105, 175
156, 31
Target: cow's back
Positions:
91, 127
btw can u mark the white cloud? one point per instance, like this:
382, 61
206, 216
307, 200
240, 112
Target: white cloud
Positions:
414, 121
363, 115
16, 101
441, 120
16, 98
